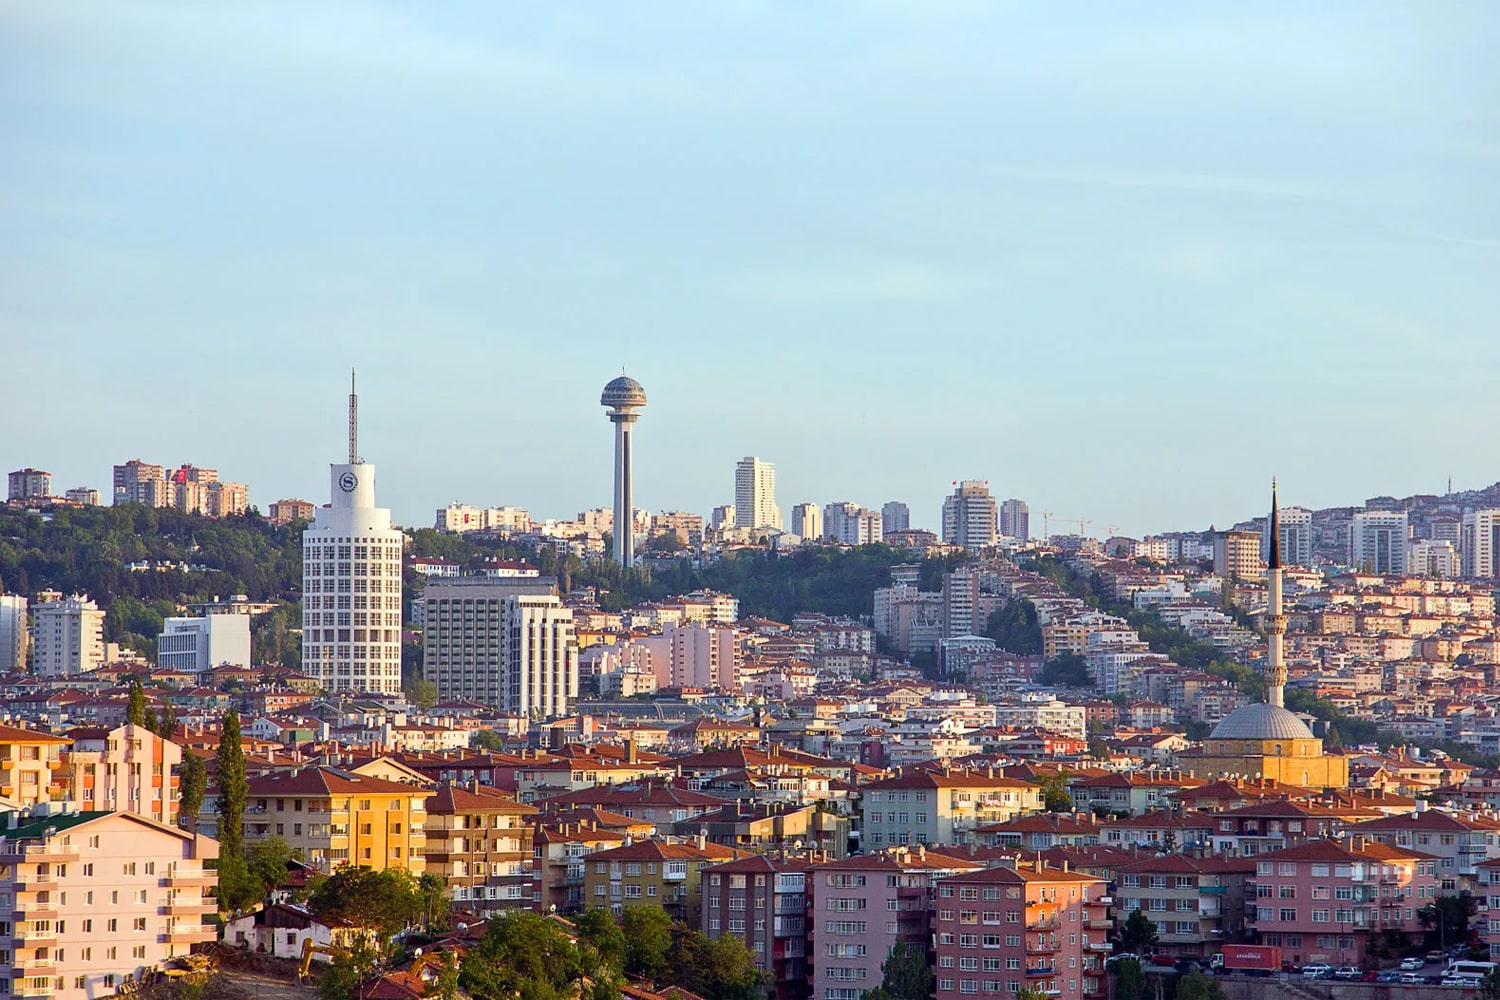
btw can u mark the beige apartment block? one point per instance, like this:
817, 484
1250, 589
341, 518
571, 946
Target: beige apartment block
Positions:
31, 766
128, 767
334, 818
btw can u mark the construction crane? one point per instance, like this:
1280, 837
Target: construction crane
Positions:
1046, 531
1083, 526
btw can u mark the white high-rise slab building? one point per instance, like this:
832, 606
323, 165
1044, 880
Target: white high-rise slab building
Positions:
195, 645
13, 633
1296, 537
1015, 520
970, 515
755, 494
807, 521
351, 582
895, 516
506, 642
1479, 544
67, 636
1378, 541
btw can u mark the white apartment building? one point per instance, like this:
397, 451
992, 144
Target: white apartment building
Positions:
14, 638
506, 642
1296, 537
755, 494
1054, 715
67, 636
93, 900
895, 516
851, 524
1237, 554
970, 516
195, 645
807, 521
86, 495
1379, 540
1433, 558
142, 483
1479, 544
459, 517
351, 584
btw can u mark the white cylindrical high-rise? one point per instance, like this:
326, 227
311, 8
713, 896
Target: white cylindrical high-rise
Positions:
351, 583
624, 397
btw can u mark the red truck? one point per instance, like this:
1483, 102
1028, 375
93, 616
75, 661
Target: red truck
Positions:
1247, 960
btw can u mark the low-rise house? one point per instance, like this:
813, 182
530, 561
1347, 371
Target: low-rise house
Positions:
284, 930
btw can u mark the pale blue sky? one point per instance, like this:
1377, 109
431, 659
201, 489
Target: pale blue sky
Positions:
1123, 260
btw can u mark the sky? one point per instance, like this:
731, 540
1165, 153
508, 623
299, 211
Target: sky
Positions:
1125, 261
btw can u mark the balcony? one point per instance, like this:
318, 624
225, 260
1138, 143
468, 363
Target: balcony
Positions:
25, 936
1041, 948
34, 966
1104, 946
1212, 890
1040, 970
36, 911
185, 879
1044, 924
1098, 924
188, 934
190, 907
18, 852
41, 987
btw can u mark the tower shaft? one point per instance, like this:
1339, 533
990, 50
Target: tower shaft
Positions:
353, 422
624, 502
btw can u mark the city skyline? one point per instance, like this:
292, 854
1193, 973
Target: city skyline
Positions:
1163, 203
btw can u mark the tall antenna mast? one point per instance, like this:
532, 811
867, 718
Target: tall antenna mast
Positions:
353, 422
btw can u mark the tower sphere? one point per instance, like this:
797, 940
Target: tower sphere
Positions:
623, 392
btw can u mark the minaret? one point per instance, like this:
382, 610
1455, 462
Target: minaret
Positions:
1275, 665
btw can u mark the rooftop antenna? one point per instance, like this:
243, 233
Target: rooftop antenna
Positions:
353, 422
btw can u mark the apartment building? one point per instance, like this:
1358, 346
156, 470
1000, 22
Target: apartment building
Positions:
30, 766
559, 854
970, 516
942, 806
15, 633
86, 496
29, 484
755, 494
1479, 544
1460, 843
763, 902
508, 642
1379, 541
1001, 930
1015, 520
807, 521
851, 524
696, 655
94, 899
653, 873
125, 768
1329, 900
139, 482
860, 907
1196, 903
196, 645
479, 841
335, 818
1237, 554
67, 635
894, 516
286, 512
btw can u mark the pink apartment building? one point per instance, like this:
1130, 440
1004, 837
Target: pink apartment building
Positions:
858, 908
1326, 900
1004, 929
94, 899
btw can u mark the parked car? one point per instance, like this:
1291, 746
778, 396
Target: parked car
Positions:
1317, 970
1436, 956
1346, 972
1388, 976
1412, 979
1411, 964
1466, 982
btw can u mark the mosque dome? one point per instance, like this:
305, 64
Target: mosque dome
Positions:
1261, 722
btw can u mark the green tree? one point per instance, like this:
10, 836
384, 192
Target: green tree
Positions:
722, 968
1130, 979
388, 900
524, 956
487, 739
1015, 628
1138, 934
266, 864
1194, 985
229, 765
648, 938
1447, 918
1067, 670
237, 888
1489, 988
598, 930
906, 974
422, 693
166, 720
345, 973
192, 785
432, 899
135, 705
1055, 797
